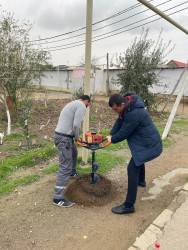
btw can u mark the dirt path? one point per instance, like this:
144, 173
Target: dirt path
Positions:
29, 220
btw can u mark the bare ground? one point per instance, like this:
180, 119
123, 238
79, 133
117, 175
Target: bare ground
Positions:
29, 220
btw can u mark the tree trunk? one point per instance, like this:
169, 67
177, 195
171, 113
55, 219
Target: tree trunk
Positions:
8, 113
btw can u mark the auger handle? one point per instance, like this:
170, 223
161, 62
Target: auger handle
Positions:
80, 144
107, 144
85, 146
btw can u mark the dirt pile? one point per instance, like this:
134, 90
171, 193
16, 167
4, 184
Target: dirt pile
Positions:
82, 192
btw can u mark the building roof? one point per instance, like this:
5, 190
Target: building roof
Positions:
176, 64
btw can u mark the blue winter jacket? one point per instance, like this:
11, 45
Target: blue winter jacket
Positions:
136, 125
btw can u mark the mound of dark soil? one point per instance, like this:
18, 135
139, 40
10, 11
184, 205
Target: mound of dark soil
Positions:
82, 192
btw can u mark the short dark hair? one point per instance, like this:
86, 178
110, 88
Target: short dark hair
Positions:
84, 98
115, 100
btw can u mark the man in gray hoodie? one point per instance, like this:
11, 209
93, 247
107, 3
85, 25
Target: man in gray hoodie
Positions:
68, 127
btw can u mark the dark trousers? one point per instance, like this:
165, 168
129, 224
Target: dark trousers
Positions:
135, 174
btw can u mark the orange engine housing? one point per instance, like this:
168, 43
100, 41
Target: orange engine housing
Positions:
93, 137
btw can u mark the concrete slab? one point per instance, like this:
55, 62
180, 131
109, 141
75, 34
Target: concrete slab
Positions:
163, 218
155, 229
178, 200
145, 240
132, 248
185, 187
175, 232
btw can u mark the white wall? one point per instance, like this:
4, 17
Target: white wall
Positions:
63, 80
168, 79
54, 80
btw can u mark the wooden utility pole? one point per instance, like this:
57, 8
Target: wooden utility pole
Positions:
87, 70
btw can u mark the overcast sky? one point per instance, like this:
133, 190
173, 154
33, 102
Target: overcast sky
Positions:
56, 17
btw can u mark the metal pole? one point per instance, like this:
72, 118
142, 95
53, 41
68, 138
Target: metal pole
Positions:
93, 171
107, 75
160, 13
87, 70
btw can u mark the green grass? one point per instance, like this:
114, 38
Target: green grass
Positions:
14, 136
17, 137
116, 146
7, 187
52, 169
93, 119
46, 107
168, 142
178, 126
107, 158
106, 161
26, 159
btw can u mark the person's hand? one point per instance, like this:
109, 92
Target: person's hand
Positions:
109, 138
80, 139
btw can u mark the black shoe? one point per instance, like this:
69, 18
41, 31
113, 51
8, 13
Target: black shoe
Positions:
123, 209
142, 183
75, 175
62, 203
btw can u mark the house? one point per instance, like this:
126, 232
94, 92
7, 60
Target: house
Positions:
175, 64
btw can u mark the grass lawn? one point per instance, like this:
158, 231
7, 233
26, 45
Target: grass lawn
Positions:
43, 151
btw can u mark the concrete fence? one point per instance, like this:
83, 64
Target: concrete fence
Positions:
66, 80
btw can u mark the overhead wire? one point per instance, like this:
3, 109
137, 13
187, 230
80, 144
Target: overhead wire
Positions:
103, 20
79, 43
138, 13
111, 31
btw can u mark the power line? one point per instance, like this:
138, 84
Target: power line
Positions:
110, 31
82, 42
103, 20
138, 13
119, 32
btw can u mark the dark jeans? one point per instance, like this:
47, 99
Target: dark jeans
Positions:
135, 174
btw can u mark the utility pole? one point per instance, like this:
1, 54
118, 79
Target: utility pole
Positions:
87, 71
107, 75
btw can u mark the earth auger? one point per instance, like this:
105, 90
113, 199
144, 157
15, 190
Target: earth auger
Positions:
92, 142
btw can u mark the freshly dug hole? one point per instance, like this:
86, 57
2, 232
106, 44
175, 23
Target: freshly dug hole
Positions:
82, 192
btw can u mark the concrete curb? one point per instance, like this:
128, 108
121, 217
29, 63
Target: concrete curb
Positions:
149, 237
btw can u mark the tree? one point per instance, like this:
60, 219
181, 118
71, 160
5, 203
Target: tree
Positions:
21, 62
94, 61
139, 61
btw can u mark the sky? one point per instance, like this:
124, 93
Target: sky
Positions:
60, 26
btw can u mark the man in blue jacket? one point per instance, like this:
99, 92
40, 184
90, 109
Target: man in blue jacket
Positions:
136, 126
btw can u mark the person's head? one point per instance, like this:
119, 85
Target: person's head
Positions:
85, 99
116, 102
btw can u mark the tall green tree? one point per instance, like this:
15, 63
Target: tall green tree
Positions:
139, 62
21, 62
